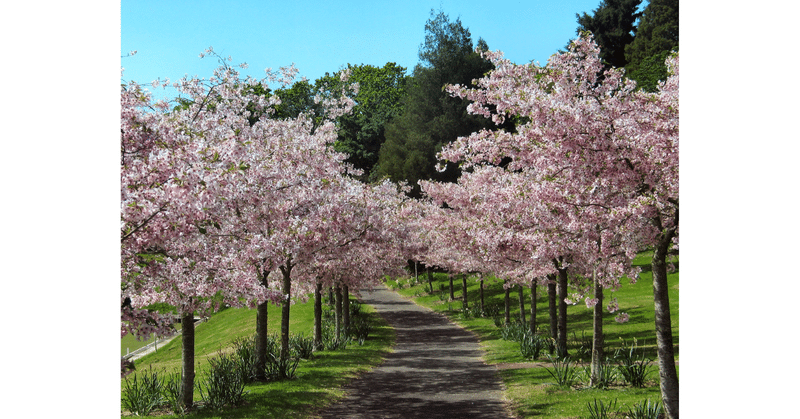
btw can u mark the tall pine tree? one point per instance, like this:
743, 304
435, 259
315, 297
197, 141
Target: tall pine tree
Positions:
432, 118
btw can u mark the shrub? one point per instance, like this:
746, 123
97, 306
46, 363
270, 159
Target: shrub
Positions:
645, 411
607, 374
531, 345
564, 373
245, 350
172, 393
599, 410
143, 393
277, 369
514, 332
302, 346
360, 328
634, 369
223, 384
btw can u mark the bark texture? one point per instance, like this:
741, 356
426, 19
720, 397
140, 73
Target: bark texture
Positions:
552, 298
533, 307
262, 334
318, 316
561, 343
666, 352
187, 360
597, 334
287, 295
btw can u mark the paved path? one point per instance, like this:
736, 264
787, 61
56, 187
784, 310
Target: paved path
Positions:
435, 370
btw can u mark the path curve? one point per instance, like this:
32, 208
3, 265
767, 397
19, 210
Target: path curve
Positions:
435, 370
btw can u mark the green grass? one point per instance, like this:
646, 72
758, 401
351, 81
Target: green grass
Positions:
532, 390
319, 379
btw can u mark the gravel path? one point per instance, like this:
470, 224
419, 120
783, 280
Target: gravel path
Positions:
435, 370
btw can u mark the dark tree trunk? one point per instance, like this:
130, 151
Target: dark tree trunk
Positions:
521, 304
483, 306
187, 358
287, 292
533, 307
430, 279
507, 301
262, 318
464, 283
561, 343
552, 298
666, 352
337, 291
262, 334
597, 333
452, 294
346, 310
318, 316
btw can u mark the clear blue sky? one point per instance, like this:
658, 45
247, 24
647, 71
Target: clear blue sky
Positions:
324, 36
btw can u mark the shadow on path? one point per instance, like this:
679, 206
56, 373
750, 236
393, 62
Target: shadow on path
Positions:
435, 370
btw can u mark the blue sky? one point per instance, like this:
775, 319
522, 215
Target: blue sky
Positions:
324, 36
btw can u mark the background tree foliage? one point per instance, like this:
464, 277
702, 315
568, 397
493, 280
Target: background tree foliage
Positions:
613, 27
432, 118
656, 37
362, 132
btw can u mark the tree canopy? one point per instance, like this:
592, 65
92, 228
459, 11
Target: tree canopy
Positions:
431, 118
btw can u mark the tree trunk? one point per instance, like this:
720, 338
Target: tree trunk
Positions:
464, 283
452, 294
318, 316
597, 333
187, 357
346, 309
483, 306
262, 337
533, 307
552, 298
262, 334
287, 292
521, 304
666, 354
561, 344
507, 303
338, 310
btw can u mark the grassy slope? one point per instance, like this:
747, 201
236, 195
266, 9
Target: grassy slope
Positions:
531, 389
319, 379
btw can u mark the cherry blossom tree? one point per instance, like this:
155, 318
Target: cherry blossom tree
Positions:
600, 156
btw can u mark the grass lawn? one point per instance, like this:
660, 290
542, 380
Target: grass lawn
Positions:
533, 391
318, 380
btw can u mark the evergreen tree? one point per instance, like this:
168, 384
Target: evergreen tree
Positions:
612, 26
362, 132
432, 118
656, 37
